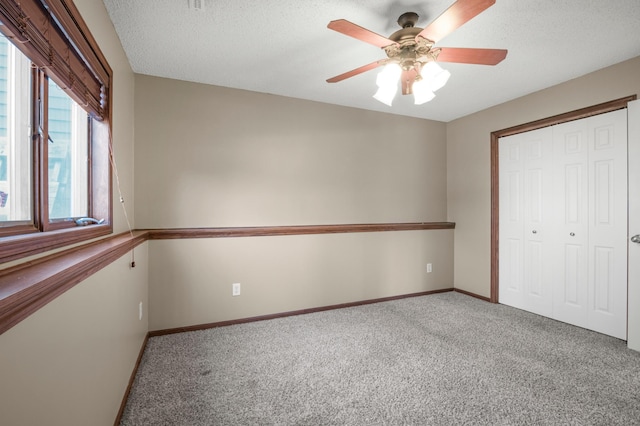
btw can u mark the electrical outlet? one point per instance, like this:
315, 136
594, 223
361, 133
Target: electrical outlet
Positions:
235, 289
429, 269
140, 311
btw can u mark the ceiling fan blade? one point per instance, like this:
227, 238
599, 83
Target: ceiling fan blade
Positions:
352, 30
356, 71
465, 55
458, 13
407, 79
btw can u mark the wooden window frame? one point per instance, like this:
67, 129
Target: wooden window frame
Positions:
93, 90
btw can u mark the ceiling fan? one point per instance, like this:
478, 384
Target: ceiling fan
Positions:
412, 55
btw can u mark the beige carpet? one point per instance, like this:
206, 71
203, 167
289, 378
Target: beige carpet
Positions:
444, 359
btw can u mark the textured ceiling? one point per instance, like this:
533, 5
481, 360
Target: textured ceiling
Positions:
283, 47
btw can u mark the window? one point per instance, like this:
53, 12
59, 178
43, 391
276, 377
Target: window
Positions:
54, 129
15, 129
68, 156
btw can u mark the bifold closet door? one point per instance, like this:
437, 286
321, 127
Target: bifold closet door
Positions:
571, 222
590, 275
525, 221
563, 222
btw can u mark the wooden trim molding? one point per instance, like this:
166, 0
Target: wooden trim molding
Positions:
19, 246
567, 116
291, 313
495, 217
264, 231
495, 168
468, 293
27, 287
132, 378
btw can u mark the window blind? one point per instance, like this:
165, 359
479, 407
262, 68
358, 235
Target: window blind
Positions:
46, 32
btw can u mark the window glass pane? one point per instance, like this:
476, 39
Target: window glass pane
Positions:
15, 135
68, 156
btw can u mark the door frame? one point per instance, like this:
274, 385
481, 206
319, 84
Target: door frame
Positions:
633, 301
495, 169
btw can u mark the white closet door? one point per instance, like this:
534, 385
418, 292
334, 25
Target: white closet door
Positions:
590, 195
511, 178
525, 215
571, 247
607, 288
563, 222
538, 218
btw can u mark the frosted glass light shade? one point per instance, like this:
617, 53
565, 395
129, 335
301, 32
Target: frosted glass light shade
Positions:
389, 76
386, 94
434, 75
422, 92
440, 80
430, 70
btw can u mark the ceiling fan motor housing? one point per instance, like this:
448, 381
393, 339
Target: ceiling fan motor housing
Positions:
410, 51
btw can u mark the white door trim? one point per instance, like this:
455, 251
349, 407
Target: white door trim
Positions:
633, 298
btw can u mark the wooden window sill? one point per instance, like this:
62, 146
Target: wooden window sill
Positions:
27, 287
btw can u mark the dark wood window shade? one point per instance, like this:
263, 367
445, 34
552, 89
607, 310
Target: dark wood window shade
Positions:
48, 32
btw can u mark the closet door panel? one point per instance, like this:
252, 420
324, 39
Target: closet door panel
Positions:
511, 230
537, 218
607, 285
570, 293
525, 186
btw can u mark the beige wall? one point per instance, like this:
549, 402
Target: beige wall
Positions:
212, 156
190, 280
209, 157
70, 362
468, 160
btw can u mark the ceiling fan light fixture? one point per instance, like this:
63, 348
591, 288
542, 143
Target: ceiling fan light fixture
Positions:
385, 94
411, 51
434, 75
422, 92
440, 80
389, 76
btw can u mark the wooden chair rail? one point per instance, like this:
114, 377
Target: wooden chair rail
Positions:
265, 231
27, 287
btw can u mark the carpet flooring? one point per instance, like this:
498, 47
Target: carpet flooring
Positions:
442, 359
